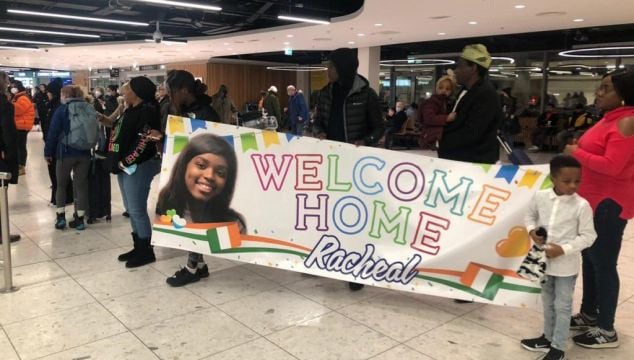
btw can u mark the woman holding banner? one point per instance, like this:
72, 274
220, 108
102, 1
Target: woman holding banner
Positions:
200, 190
605, 153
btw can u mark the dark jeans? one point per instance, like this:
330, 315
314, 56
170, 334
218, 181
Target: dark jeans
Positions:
79, 167
600, 276
21, 142
69, 189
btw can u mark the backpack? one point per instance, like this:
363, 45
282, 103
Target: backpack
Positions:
83, 130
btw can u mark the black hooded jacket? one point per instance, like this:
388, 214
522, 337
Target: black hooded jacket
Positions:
349, 109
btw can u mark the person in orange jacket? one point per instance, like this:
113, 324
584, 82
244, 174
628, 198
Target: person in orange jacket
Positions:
24, 119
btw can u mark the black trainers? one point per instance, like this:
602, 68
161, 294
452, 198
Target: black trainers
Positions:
597, 338
538, 344
60, 221
355, 286
77, 223
581, 322
554, 354
202, 272
183, 277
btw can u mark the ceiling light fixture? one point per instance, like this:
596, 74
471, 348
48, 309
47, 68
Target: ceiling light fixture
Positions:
351, 42
18, 48
361, 35
520, 6
473, 23
303, 19
73, 17
183, 4
34, 31
378, 24
588, 52
578, 20
290, 35
297, 68
442, 33
416, 62
32, 42
510, 60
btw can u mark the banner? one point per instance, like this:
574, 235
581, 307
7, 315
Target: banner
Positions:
373, 216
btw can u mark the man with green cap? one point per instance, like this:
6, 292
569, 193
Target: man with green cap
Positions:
471, 131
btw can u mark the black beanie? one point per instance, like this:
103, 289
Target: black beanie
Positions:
346, 62
55, 88
144, 88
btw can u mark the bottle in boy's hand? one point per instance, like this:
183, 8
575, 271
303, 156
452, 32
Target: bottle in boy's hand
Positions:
539, 235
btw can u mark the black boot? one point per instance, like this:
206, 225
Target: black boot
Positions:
355, 286
143, 255
130, 254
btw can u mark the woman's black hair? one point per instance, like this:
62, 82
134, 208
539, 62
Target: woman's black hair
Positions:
623, 82
18, 84
181, 79
482, 71
175, 194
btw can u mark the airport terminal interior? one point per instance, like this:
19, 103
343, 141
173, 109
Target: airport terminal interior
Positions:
72, 299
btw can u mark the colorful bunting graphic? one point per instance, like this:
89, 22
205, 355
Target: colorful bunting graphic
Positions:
271, 137
179, 143
547, 184
229, 139
507, 172
248, 142
530, 178
198, 124
291, 137
175, 125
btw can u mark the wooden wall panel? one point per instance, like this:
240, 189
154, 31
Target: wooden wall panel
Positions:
245, 81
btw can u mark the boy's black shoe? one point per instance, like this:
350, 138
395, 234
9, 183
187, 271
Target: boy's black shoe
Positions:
183, 277
581, 322
597, 338
554, 354
538, 344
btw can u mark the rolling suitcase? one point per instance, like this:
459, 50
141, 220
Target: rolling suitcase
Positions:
99, 205
515, 156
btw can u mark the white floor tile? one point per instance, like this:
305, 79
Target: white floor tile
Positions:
504, 320
60, 331
93, 263
264, 349
120, 347
120, 282
382, 312
273, 310
401, 352
195, 335
6, 349
230, 284
153, 305
76, 243
37, 273
332, 293
332, 336
25, 252
41, 299
280, 276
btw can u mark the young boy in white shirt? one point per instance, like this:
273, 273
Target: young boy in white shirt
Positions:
567, 219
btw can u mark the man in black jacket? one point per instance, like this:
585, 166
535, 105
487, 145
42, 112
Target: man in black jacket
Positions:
471, 130
348, 108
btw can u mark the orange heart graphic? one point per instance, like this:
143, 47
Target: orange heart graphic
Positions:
517, 244
165, 219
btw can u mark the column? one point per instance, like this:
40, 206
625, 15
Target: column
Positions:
369, 66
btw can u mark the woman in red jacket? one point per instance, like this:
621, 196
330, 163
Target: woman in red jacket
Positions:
24, 119
433, 113
606, 154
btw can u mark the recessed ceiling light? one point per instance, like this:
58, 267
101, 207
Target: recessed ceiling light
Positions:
32, 42
303, 19
442, 33
578, 20
361, 34
225, 44
290, 35
183, 4
18, 48
378, 24
34, 31
473, 23
351, 42
520, 6
286, 43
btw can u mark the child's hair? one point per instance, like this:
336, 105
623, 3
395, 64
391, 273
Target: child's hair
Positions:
563, 161
181, 79
72, 91
175, 194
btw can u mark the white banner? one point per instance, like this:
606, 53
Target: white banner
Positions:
360, 214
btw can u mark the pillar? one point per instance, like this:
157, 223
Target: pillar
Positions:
369, 65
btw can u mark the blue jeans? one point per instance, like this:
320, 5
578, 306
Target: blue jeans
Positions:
297, 128
125, 201
557, 299
136, 188
600, 276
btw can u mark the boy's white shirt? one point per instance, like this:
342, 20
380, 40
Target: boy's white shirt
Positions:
569, 222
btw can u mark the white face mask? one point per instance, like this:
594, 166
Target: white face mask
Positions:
14, 90
63, 100
97, 93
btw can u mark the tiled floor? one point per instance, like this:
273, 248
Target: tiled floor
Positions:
76, 301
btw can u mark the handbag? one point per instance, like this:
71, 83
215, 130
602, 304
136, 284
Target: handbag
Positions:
533, 266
